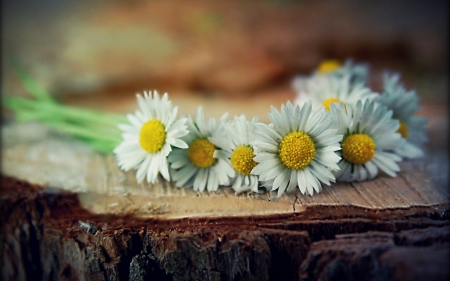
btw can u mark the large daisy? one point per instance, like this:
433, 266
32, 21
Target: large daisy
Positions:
202, 165
405, 105
333, 89
149, 137
369, 137
298, 149
239, 147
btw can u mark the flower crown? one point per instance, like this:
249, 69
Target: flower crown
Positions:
337, 129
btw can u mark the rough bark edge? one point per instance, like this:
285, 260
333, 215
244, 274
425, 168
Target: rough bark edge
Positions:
106, 247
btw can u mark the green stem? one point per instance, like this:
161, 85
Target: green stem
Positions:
30, 84
55, 110
96, 129
82, 132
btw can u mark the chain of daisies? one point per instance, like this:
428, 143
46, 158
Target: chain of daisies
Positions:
336, 130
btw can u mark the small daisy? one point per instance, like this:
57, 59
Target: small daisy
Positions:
328, 66
369, 136
149, 137
357, 73
404, 105
298, 149
326, 90
240, 150
202, 165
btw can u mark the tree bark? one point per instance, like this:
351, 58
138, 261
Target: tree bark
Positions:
50, 236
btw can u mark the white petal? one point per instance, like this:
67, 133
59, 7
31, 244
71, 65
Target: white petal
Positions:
179, 143
313, 181
141, 172
386, 163
372, 170
410, 151
212, 184
301, 179
322, 173
184, 175
292, 181
264, 146
281, 182
201, 179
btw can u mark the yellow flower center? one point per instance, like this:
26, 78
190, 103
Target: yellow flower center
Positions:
201, 153
296, 150
403, 130
328, 66
152, 136
326, 103
242, 159
358, 148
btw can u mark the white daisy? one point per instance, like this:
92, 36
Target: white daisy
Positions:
202, 165
297, 150
369, 136
404, 105
356, 73
325, 90
149, 137
239, 147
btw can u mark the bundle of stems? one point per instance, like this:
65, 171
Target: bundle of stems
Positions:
97, 129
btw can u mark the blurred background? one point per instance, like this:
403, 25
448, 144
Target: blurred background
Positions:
229, 56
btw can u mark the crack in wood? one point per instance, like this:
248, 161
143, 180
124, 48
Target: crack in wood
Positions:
295, 201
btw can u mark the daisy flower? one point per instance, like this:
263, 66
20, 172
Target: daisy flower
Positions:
357, 73
298, 149
326, 90
404, 105
149, 137
202, 165
239, 148
369, 136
